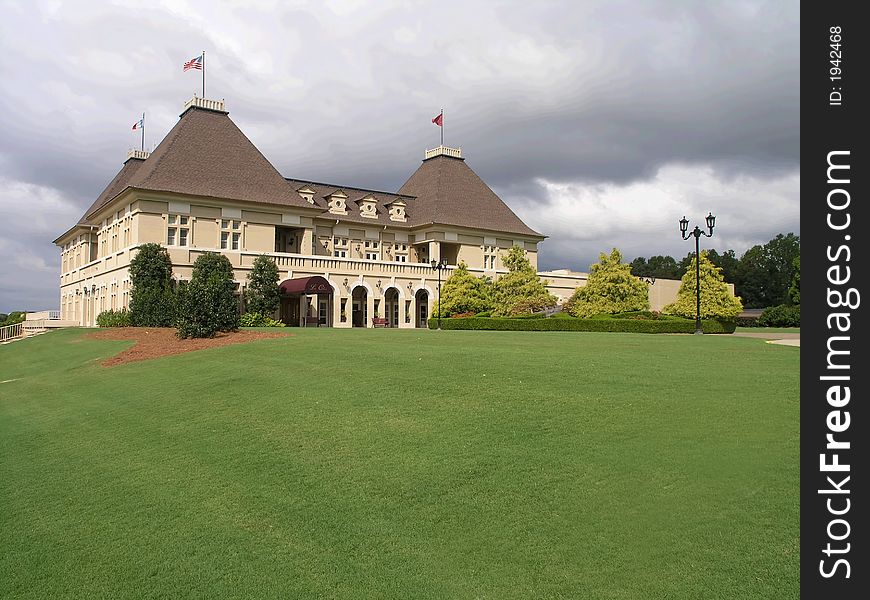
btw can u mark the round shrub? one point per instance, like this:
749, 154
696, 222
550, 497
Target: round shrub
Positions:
783, 315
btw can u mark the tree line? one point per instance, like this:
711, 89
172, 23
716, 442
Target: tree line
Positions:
762, 276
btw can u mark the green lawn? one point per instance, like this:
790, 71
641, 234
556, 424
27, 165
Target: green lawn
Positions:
768, 330
402, 464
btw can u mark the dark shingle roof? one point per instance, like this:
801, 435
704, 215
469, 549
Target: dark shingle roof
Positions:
449, 193
115, 187
354, 195
206, 154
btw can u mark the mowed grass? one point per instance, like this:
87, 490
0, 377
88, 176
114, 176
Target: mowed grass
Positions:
402, 464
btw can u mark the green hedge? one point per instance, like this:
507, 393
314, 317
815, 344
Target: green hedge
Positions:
114, 318
781, 316
594, 324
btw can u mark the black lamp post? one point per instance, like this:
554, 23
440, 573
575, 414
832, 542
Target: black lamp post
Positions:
684, 231
440, 266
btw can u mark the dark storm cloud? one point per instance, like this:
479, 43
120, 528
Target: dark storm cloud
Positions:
586, 94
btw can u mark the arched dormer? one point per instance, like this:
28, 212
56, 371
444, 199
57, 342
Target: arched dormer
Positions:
337, 202
397, 210
307, 194
368, 207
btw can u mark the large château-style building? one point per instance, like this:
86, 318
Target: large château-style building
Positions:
346, 255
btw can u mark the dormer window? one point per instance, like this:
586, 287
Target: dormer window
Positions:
338, 204
307, 194
397, 211
368, 208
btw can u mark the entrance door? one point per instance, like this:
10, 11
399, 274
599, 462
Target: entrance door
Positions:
424, 316
290, 311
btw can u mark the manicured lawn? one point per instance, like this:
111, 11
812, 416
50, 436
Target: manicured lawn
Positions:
402, 464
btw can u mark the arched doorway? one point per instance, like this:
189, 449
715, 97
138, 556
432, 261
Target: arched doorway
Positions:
421, 319
391, 306
359, 314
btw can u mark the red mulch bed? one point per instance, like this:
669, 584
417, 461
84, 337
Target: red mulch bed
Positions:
154, 342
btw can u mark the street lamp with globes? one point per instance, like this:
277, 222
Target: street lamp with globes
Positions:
697, 233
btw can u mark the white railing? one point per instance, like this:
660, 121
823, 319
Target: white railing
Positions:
142, 154
205, 103
335, 264
52, 315
444, 151
11, 332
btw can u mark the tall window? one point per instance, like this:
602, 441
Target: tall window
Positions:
489, 254
231, 234
178, 231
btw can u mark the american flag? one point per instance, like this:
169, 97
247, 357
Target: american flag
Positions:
139, 124
194, 63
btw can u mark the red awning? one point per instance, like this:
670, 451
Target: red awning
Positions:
306, 285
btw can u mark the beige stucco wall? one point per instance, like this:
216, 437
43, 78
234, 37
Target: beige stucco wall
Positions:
259, 238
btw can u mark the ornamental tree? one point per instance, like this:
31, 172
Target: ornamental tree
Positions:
208, 303
716, 299
610, 289
152, 297
520, 291
462, 292
262, 294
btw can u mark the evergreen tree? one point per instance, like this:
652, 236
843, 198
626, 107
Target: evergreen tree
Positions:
611, 288
152, 298
716, 299
262, 294
794, 293
462, 292
520, 291
764, 273
208, 303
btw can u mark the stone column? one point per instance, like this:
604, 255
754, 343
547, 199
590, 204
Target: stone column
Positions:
307, 245
370, 305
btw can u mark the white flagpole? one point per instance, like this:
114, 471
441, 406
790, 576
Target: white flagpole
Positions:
203, 74
143, 132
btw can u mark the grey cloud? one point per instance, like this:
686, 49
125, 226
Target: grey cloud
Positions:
585, 93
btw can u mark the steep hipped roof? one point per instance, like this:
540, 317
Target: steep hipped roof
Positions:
206, 154
449, 193
115, 187
323, 190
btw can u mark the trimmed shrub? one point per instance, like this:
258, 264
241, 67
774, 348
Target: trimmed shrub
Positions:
152, 298
208, 303
262, 294
114, 318
611, 288
750, 321
463, 293
520, 290
784, 315
607, 324
253, 319
716, 299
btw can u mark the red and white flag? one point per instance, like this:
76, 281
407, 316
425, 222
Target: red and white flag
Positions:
194, 63
439, 120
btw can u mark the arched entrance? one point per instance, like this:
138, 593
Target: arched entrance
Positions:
359, 314
391, 306
421, 319
306, 302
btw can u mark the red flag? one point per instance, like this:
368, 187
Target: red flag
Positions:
439, 120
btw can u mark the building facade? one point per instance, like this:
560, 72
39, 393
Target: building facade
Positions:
347, 256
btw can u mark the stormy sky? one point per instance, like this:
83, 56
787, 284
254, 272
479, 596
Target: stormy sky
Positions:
600, 123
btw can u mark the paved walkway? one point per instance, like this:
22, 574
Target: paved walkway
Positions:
783, 339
